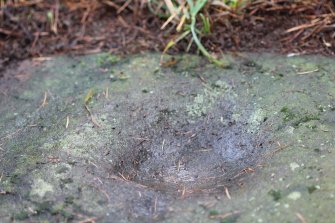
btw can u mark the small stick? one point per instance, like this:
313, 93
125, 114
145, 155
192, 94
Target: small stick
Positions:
223, 216
308, 72
125, 5
42, 58
44, 103
67, 122
89, 220
105, 193
300, 217
92, 117
178, 166
227, 193
204, 150
203, 80
106, 93
95, 165
55, 20
296, 28
155, 205
163, 145
123, 177
245, 170
183, 192
110, 3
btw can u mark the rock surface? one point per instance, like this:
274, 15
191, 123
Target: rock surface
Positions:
103, 139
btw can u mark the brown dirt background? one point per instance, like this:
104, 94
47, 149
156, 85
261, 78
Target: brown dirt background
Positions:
126, 27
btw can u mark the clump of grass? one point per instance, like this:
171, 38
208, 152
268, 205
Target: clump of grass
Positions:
188, 15
194, 18
298, 118
275, 194
213, 212
185, 16
288, 114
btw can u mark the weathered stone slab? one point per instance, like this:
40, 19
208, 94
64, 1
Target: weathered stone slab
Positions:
124, 140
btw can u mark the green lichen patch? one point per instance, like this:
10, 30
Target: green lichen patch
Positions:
207, 99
